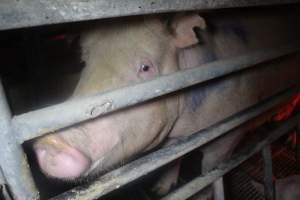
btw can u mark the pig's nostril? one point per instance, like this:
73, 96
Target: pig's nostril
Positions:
67, 163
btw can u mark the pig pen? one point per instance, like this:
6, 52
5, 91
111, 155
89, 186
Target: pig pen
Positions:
31, 107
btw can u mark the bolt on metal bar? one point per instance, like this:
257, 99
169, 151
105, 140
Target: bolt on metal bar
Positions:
268, 173
201, 182
28, 13
138, 168
49, 119
12, 158
218, 187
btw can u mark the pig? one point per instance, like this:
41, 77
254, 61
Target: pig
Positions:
285, 188
121, 52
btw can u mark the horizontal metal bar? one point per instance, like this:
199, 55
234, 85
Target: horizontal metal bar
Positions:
201, 182
150, 162
28, 13
37, 123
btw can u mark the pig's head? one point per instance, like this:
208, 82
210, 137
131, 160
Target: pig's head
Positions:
119, 53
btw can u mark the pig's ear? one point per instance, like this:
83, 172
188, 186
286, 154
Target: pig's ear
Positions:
183, 29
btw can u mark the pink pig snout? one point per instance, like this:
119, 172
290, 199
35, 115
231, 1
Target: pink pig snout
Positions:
59, 160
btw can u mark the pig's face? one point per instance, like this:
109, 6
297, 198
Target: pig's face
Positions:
116, 54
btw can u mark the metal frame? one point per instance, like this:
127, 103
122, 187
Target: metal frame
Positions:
13, 161
138, 168
28, 13
202, 181
298, 148
37, 123
15, 130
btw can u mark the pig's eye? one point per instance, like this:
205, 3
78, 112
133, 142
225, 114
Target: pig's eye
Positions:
145, 66
146, 69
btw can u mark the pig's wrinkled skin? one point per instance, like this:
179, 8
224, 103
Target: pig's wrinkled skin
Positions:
119, 53
285, 188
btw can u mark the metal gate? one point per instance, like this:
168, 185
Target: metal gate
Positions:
15, 174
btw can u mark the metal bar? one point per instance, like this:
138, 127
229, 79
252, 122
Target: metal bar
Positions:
37, 123
150, 162
218, 187
4, 193
298, 148
28, 13
12, 158
268, 173
200, 182
3, 189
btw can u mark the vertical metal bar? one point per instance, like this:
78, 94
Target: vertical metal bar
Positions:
298, 148
3, 189
218, 187
268, 173
13, 161
4, 193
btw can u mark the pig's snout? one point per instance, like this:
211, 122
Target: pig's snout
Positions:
59, 160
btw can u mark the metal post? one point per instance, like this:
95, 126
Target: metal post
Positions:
138, 168
12, 158
27, 13
3, 189
298, 148
218, 187
268, 173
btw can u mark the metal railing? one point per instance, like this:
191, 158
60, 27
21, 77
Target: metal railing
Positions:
138, 168
15, 130
28, 13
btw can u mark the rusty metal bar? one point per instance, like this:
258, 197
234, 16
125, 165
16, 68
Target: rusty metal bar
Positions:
200, 182
12, 158
28, 13
138, 168
37, 123
268, 173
